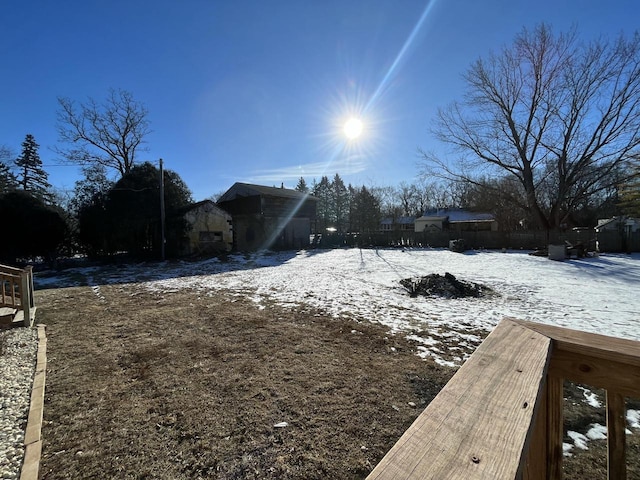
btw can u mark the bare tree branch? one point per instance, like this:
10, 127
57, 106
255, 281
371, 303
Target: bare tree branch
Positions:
108, 134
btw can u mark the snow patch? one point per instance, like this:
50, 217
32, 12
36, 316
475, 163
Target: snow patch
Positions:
590, 397
597, 432
633, 418
579, 440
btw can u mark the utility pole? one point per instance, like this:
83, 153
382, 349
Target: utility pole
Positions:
162, 209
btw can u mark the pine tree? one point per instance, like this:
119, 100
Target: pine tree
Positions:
322, 191
8, 180
31, 177
630, 194
302, 186
340, 203
365, 211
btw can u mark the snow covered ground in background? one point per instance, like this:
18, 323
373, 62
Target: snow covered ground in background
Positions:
595, 294
598, 294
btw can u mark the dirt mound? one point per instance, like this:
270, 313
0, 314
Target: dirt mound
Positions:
446, 286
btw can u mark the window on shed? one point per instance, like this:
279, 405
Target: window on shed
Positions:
210, 237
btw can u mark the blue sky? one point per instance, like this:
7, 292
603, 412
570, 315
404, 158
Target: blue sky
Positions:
258, 91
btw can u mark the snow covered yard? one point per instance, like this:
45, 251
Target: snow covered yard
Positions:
595, 294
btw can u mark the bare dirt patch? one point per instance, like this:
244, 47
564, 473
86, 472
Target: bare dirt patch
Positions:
181, 385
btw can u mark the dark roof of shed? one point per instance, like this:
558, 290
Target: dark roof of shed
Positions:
239, 189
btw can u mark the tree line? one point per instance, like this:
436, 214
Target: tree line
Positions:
547, 136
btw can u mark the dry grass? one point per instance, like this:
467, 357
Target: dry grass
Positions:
180, 385
144, 385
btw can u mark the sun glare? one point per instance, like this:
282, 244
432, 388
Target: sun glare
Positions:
353, 128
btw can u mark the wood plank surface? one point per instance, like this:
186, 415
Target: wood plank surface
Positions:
480, 424
615, 349
596, 372
31, 465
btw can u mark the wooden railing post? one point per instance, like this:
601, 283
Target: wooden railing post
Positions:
25, 296
537, 466
616, 442
555, 423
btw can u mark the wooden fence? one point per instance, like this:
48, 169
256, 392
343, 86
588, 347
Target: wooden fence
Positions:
608, 241
501, 415
16, 294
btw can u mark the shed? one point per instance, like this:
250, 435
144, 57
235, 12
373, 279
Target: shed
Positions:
209, 230
269, 217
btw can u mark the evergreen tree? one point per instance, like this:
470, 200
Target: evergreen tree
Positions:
365, 211
8, 180
31, 177
322, 191
340, 204
37, 230
302, 186
127, 218
630, 194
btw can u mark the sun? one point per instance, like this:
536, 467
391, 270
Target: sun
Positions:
353, 128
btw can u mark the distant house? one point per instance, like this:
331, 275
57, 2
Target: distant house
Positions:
618, 234
455, 219
405, 224
209, 230
618, 224
269, 217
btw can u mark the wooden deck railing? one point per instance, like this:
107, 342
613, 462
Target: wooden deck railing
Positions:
16, 293
500, 416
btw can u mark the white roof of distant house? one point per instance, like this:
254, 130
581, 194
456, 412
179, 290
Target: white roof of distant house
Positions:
617, 222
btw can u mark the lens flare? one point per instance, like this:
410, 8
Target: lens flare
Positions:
353, 128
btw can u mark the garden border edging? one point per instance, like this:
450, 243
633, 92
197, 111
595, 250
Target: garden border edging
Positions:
33, 433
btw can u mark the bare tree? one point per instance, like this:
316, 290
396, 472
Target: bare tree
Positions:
108, 134
388, 201
407, 194
559, 115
